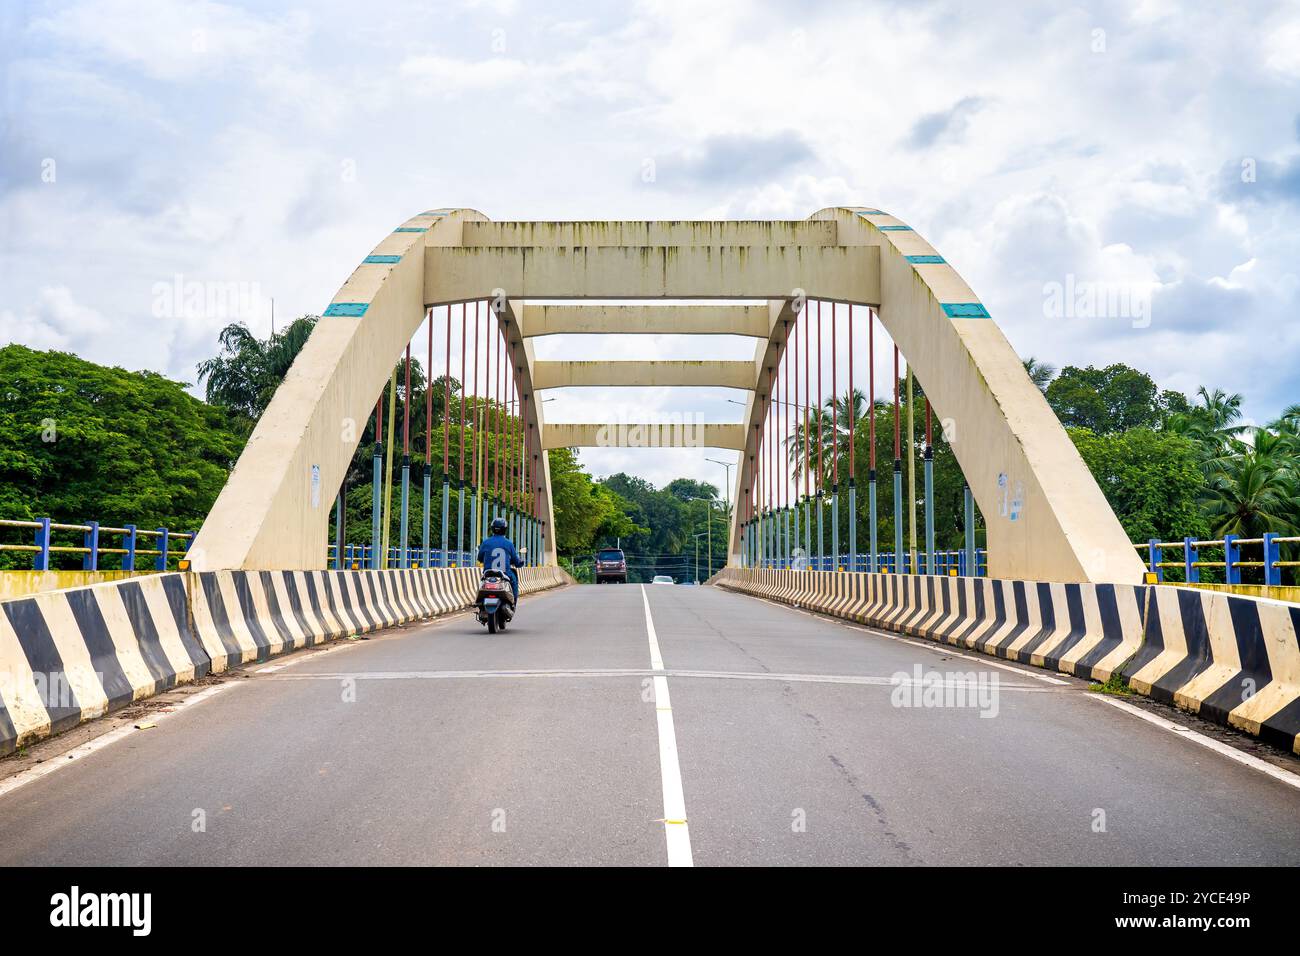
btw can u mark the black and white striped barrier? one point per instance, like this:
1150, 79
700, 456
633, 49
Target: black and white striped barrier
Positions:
72, 655
68, 656
1230, 658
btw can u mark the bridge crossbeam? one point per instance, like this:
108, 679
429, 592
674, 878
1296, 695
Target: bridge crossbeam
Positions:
645, 374
582, 319
683, 434
839, 273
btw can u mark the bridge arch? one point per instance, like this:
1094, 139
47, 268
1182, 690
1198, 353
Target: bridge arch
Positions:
274, 510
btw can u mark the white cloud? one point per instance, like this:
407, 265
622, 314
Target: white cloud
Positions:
173, 39
225, 143
449, 76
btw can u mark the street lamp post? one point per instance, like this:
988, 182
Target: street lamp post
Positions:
726, 488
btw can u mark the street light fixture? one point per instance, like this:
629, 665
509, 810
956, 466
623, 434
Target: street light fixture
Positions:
727, 492
697, 538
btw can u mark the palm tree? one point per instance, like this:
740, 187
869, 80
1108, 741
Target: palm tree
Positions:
834, 419
1214, 426
1255, 490
248, 370
1040, 373
1287, 425
1221, 409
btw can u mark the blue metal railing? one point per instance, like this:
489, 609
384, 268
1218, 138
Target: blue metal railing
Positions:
945, 563
97, 544
1233, 548
98, 541
358, 557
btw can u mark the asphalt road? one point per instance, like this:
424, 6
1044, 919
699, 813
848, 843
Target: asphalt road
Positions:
439, 744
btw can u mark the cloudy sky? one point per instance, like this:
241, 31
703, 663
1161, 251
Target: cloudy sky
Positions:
1152, 148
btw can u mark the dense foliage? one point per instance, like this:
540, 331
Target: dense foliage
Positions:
82, 442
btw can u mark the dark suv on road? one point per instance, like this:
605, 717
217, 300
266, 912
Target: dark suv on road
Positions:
611, 565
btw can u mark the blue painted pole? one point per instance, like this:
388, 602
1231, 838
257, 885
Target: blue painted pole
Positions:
1191, 573
874, 565
160, 562
338, 532
405, 539
426, 546
41, 561
376, 510
929, 507
1272, 555
898, 515
475, 522
798, 536
835, 526
821, 530
969, 501
807, 528
1155, 557
1231, 555
853, 525
446, 512
90, 560
460, 520
128, 543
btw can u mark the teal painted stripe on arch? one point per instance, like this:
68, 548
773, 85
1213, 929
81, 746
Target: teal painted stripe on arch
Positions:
382, 260
412, 229
966, 310
894, 228
925, 260
350, 309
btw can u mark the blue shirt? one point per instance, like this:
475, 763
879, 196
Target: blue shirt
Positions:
498, 553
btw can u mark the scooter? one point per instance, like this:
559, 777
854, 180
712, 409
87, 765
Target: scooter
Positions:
495, 601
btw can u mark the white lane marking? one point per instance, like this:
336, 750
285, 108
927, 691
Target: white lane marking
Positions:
1218, 746
59, 761
859, 679
676, 830
934, 646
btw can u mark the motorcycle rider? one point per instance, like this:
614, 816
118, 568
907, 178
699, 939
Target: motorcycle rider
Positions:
498, 553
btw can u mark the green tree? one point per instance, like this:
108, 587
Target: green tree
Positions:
247, 370
1113, 399
1152, 480
586, 512
80, 442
